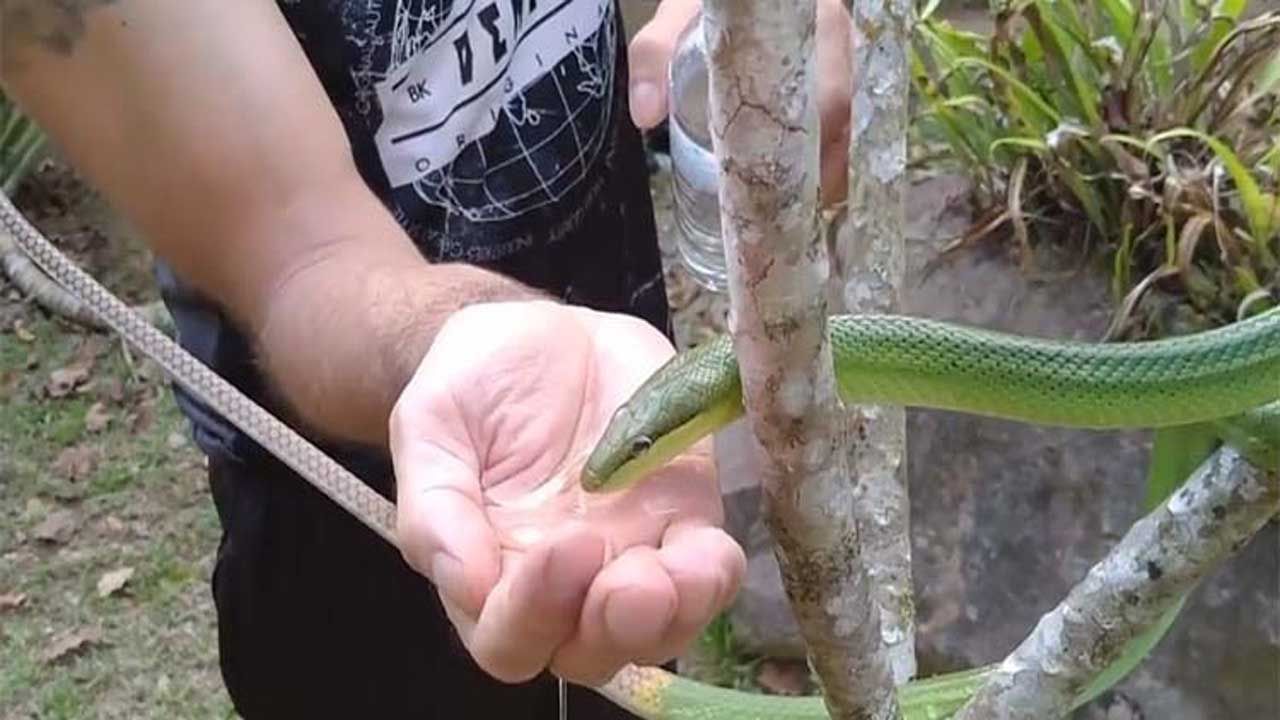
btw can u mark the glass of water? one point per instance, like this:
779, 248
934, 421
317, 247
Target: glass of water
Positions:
693, 162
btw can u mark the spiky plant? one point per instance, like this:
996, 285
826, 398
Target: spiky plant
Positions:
1149, 128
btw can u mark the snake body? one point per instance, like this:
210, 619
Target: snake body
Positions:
655, 694
1221, 375
1220, 380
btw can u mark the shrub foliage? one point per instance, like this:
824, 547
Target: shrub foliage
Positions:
1147, 128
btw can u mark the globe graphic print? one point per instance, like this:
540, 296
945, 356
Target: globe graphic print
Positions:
545, 139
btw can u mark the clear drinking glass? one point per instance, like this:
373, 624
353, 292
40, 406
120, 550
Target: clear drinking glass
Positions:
693, 162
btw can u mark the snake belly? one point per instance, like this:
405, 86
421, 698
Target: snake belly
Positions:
916, 362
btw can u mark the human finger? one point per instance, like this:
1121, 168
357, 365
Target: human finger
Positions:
834, 58
706, 567
441, 526
626, 613
649, 56
535, 608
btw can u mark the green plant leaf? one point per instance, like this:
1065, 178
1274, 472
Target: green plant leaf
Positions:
1176, 453
926, 12
1272, 158
1027, 143
1087, 197
1269, 76
1135, 652
1256, 208
1223, 19
1122, 18
1080, 94
1159, 65
1034, 112
22, 142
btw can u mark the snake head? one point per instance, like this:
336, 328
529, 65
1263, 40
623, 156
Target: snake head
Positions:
622, 454
691, 396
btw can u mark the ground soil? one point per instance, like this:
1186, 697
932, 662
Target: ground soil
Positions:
107, 532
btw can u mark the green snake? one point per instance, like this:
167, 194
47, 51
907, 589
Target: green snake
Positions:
654, 694
1224, 383
1219, 385
1220, 375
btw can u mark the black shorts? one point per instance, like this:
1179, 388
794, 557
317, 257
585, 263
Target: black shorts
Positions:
318, 617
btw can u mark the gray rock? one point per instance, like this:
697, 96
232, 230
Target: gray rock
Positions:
1007, 517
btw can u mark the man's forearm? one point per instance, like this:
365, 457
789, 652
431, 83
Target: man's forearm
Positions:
204, 124
341, 338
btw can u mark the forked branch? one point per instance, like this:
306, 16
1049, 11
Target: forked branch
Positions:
1163, 556
765, 132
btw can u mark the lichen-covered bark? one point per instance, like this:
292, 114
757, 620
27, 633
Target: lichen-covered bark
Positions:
765, 129
1164, 555
869, 258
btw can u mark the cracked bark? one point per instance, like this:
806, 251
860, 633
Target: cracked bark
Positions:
765, 131
869, 259
1163, 555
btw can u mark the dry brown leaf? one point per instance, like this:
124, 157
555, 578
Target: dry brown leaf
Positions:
97, 418
35, 508
12, 601
9, 382
64, 381
77, 462
783, 678
114, 525
71, 643
139, 420
113, 582
22, 333
57, 527
109, 389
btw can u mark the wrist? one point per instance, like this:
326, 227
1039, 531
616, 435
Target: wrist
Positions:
340, 339
415, 306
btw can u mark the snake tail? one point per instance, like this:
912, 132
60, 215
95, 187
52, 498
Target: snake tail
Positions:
918, 362
655, 694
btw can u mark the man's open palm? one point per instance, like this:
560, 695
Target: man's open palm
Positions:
488, 439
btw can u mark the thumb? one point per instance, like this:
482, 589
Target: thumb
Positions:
649, 57
441, 525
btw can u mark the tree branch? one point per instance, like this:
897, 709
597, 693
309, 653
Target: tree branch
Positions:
765, 132
1164, 555
869, 258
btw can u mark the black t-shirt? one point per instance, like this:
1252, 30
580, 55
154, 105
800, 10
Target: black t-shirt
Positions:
497, 133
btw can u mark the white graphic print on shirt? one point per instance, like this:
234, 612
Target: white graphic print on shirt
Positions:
491, 108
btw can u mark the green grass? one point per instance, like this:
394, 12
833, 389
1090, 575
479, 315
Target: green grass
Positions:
145, 505
719, 661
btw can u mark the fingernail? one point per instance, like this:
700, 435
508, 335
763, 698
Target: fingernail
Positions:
645, 104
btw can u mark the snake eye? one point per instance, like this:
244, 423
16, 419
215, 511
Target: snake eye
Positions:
640, 446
